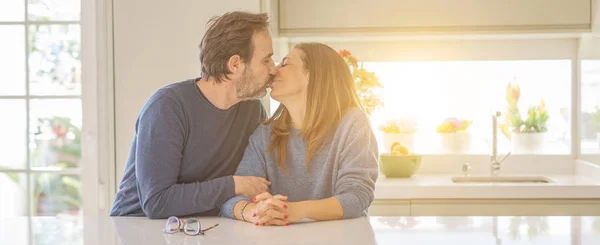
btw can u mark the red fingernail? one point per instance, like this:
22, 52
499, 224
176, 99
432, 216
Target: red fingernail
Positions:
288, 223
285, 217
254, 199
254, 215
284, 206
256, 223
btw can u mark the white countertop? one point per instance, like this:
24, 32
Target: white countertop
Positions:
440, 186
368, 230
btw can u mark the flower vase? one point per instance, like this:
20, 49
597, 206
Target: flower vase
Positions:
528, 143
459, 142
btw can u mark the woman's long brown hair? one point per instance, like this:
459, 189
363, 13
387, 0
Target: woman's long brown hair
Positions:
331, 92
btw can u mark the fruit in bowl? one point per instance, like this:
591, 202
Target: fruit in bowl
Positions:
400, 163
398, 149
402, 131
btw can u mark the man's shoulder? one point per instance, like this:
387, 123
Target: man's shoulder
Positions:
178, 90
168, 97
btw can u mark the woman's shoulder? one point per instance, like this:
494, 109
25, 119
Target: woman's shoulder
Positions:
261, 133
355, 118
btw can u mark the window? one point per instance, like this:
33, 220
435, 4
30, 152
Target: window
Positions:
590, 106
40, 104
427, 82
427, 93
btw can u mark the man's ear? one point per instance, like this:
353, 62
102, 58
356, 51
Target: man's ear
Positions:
235, 64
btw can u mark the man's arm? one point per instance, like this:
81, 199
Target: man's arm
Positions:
160, 135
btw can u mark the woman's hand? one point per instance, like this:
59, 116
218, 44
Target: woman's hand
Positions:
270, 210
273, 210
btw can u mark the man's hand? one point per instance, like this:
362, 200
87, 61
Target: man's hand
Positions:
250, 186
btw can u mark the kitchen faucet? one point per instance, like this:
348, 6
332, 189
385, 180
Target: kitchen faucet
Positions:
495, 164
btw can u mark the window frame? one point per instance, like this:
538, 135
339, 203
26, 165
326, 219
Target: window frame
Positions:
93, 102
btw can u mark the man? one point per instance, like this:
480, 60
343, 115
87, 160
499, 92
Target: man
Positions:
191, 135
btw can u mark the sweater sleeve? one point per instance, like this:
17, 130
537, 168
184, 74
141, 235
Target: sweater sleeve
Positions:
358, 169
160, 134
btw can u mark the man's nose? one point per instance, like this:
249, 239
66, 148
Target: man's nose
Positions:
274, 69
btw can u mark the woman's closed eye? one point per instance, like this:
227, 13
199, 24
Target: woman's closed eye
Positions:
284, 62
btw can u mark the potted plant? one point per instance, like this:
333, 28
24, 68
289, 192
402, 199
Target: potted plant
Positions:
527, 133
454, 135
402, 131
55, 193
365, 82
596, 123
58, 145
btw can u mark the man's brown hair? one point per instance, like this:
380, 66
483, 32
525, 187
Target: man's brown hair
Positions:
228, 35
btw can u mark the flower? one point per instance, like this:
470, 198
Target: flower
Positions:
365, 83
453, 125
534, 121
542, 107
513, 93
531, 112
345, 53
353, 61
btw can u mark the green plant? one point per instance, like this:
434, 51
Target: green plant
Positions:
53, 192
536, 119
596, 119
365, 82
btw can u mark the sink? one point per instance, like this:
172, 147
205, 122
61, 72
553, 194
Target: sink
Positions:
502, 179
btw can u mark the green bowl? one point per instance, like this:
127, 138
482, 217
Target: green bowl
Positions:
399, 166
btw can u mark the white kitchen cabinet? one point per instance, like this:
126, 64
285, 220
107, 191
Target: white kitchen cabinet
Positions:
485, 207
515, 207
310, 17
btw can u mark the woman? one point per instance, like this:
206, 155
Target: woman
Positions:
318, 149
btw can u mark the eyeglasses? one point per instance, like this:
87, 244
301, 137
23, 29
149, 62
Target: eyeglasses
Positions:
189, 226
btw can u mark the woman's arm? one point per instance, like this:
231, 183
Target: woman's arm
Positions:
355, 185
273, 214
358, 170
324, 209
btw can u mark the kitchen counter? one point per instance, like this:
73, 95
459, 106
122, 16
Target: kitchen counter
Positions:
367, 230
440, 186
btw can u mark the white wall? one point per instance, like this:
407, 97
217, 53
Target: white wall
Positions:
156, 43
